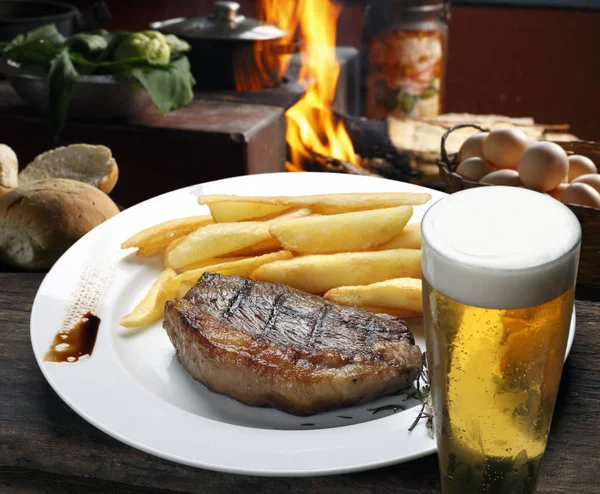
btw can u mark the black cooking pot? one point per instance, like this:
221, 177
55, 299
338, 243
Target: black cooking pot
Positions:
226, 44
19, 17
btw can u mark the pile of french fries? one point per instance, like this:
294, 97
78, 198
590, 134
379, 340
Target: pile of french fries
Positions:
353, 249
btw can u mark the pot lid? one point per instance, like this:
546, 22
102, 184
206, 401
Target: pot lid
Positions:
223, 23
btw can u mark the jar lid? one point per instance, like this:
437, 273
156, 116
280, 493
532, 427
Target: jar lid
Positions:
434, 7
223, 24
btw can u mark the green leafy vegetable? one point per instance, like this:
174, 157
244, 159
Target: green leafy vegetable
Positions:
88, 45
84, 66
63, 80
151, 45
149, 58
38, 47
113, 38
47, 34
177, 45
169, 88
37, 54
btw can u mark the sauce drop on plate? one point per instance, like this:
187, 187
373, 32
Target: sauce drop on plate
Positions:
71, 344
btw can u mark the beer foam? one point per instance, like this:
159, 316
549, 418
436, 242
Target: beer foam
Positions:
500, 247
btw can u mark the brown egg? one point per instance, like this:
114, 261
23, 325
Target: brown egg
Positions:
503, 147
592, 179
543, 166
582, 195
472, 147
474, 169
502, 177
556, 193
580, 165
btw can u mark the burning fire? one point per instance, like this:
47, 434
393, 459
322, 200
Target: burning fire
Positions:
311, 126
310, 122
269, 62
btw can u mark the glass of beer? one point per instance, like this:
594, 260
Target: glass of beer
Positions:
499, 268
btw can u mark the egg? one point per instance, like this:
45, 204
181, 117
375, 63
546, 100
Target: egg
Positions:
502, 177
556, 193
472, 147
592, 179
582, 195
503, 147
580, 165
474, 169
543, 166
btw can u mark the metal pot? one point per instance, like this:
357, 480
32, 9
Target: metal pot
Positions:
226, 43
20, 17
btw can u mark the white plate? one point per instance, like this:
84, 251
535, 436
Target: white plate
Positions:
134, 389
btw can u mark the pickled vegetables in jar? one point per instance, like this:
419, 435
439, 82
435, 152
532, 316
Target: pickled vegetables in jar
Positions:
404, 58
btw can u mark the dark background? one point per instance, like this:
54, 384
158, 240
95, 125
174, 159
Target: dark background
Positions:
517, 61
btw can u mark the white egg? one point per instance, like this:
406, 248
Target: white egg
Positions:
592, 179
472, 147
503, 147
580, 165
556, 193
502, 177
543, 166
474, 169
581, 194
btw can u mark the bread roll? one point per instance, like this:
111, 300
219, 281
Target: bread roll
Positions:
42, 219
9, 169
93, 165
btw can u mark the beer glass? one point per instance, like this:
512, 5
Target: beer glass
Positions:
499, 268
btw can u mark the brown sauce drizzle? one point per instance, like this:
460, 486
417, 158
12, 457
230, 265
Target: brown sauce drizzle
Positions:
80, 339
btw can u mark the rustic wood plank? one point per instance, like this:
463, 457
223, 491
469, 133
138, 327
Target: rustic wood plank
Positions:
21, 481
45, 446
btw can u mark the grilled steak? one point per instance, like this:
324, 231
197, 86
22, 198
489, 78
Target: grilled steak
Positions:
267, 344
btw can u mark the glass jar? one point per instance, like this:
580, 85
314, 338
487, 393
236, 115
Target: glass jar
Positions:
404, 57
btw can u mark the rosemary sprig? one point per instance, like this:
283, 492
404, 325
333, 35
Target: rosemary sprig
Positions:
423, 387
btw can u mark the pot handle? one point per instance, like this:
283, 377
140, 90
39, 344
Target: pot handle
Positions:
93, 17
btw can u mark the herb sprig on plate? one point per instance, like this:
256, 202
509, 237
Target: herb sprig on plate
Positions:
424, 394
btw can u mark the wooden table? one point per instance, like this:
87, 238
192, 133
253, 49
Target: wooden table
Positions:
45, 447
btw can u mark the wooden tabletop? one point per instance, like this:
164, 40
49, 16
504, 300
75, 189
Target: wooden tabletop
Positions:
45, 447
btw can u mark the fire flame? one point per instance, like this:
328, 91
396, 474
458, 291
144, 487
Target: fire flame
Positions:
310, 122
267, 63
311, 126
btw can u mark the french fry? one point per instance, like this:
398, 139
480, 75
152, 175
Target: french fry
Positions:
213, 261
169, 248
183, 282
153, 240
220, 239
264, 247
152, 307
408, 238
345, 232
399, 296
232, 211
329, 203
321, 273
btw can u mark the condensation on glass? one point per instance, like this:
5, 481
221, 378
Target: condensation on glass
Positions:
499, 267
